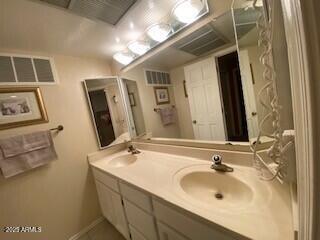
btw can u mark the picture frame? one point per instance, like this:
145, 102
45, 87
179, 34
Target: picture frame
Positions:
162, 95
132, 99
21, 106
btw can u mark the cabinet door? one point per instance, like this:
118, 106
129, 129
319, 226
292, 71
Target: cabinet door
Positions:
105, 200
167, 233
135, 234
119, 219
141, 220
112, 208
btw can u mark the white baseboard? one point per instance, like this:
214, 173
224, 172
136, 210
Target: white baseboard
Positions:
86, 229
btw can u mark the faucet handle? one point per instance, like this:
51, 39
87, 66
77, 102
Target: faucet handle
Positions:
217, 159
130, 148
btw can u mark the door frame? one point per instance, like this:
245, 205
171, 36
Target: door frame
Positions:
216, 55
304, 114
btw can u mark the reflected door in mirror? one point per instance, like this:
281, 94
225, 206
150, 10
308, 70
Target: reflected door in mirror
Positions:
204, 100
232, 96
102, 117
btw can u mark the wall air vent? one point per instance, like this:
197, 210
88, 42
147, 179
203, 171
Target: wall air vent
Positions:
26, 70
157, 78
109, 11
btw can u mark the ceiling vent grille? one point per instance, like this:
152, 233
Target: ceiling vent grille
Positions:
109, 11
26, 70
201, 41
59, 3
246, 20
157, 78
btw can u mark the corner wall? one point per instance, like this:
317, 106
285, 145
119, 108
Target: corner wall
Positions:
60, 197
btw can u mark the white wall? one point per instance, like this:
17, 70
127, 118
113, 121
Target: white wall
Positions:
182, 103
136, 110
60, 197
148, 101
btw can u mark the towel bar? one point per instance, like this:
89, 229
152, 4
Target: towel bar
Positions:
158, 109
59, 128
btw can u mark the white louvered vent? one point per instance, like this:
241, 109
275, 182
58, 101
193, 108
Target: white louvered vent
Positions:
109, 11
155, 77
24, 70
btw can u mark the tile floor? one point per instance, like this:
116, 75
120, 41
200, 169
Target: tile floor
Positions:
102, 231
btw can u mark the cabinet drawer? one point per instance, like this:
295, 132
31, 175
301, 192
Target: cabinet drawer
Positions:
167, 233
189, 227
135, 234
106, 179
137, 197
141, 220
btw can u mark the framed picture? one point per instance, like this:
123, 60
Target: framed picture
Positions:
132, 100
21, 106
162, 95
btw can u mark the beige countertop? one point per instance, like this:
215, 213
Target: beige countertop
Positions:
267, 217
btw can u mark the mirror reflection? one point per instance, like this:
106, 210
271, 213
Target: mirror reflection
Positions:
194, 90
246, 32
132, 98
107, 109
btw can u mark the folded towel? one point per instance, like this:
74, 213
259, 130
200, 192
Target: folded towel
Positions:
24, 152
168, 115
24, 143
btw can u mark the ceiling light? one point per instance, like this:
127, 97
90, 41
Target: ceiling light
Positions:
159, 32
187, 11
124, 57
117, 39
139, 47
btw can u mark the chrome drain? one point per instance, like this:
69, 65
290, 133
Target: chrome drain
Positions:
219, 196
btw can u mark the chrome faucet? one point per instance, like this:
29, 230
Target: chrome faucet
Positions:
218, 165
133, 150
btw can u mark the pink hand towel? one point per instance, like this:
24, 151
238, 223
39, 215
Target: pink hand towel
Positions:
168, 115
21, 153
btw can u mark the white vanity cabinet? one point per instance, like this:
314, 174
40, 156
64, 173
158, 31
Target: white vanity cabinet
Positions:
111, 202
132, 210
138, 207
112, 208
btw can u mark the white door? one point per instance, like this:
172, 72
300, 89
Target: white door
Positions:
248, 94
112, 208
205, 101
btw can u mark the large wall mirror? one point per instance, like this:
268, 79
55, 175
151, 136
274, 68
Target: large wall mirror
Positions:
199, 80
204, 87
108, 111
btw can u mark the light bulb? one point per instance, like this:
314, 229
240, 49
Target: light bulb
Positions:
139, 47
187, 11
159, 31
124, 57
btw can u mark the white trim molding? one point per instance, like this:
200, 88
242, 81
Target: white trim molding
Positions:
86, 229
302, 113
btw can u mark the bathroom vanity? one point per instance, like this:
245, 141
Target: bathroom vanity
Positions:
155, 195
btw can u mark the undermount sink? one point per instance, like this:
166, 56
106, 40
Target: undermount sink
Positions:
122, 161
209, 187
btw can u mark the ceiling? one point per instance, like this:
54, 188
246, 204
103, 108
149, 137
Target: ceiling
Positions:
35, 26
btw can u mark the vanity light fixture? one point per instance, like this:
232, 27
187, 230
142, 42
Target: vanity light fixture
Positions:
159, 31
187, 11
124, 57
139, 47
